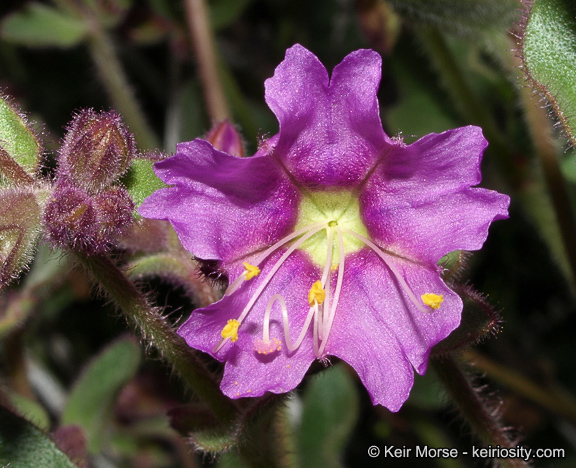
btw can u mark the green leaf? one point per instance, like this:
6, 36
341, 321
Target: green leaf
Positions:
23, 445
92, 398
38, 25
549, 53
141, 181
20, 150
329, 414
31, 409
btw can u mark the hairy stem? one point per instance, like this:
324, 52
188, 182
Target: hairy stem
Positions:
266, 441
203, 43
552, 398
154, 329
473, 408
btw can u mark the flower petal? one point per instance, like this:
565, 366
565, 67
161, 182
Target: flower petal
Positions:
248, 373
330, 131
433, 165
392, 333
221, 206
427, 232
418, 203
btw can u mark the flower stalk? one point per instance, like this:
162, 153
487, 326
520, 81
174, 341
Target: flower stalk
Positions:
203, 44
551, 397
467, 399
155, 330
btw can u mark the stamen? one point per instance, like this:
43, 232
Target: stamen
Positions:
326, 272
309, 231
274, 269
391, 267
250, 271
316, 295
327, 326
246, 276
288, 238
230, 330
432, 300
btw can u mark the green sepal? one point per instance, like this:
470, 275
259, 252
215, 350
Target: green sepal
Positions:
330, 411
479, 319
215, 440
23, 445
91, 401
453, 264
549, 56
39, 25
20, 226
141, 181
20, 149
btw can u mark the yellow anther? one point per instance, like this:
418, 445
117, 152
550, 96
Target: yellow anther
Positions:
316, 294
432, 300
251, 271
230, 330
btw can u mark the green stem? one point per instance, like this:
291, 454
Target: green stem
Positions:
474, 410
154, 329
266, 439
203, 43
116, 84
552, 398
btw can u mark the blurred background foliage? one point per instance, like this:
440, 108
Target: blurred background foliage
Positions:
68, 362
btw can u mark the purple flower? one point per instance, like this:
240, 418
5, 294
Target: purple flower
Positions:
330, 234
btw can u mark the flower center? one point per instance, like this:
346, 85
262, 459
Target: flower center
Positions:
341, 209
329, 227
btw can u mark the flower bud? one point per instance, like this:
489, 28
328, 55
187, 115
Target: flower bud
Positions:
113, 212
97, 150
88, 223
20, 219
225, 137
70, 219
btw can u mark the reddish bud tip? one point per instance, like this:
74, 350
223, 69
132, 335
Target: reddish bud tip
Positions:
225, 137
96, 151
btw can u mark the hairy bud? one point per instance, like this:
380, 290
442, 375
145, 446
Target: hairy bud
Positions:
97, 150
88, 223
